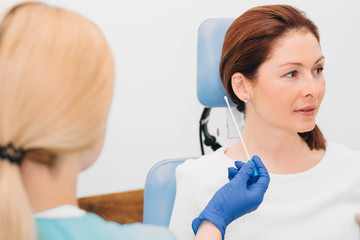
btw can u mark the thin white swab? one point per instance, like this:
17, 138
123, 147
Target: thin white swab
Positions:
237, 128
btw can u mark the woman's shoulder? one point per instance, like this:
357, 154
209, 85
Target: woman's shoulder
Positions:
343, 160
208, 170
337, 150
141, 231
206, 162
345, 165
134, 231
91, 226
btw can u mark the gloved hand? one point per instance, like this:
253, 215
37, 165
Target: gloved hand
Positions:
232, 171
243, 194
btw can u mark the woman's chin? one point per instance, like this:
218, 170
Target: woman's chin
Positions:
306, 128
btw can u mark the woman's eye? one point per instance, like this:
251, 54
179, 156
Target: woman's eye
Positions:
319, 70
292, 74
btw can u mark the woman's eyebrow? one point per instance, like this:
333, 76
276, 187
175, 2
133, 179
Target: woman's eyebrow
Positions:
321, 58
300, 64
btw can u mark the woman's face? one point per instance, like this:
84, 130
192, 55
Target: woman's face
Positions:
290, 84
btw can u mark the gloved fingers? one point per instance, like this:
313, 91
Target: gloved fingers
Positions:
232, 172
252, 180
262, 182
239, 164
246, 172
260, 185
260, 166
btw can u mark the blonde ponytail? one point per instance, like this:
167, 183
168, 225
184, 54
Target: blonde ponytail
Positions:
15, 212
56, 85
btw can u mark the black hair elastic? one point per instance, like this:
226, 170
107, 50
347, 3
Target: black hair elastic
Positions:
11, 153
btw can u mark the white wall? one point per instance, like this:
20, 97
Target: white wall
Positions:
155, 112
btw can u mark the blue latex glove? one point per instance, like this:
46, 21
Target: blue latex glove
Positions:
233, 171
243, 194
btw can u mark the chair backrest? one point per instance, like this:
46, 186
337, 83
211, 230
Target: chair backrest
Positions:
211, 34
159, 192
160, 186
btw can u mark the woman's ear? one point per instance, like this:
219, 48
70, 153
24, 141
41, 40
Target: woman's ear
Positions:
240, 86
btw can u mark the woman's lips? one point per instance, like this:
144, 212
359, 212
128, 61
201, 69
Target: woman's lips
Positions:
306, 111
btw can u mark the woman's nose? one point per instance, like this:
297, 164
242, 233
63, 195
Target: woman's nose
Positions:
310, 86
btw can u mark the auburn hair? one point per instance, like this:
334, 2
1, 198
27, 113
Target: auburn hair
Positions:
248, 43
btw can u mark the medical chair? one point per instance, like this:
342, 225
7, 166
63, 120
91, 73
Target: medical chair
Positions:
160, 186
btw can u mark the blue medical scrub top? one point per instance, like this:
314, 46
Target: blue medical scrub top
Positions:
91, 227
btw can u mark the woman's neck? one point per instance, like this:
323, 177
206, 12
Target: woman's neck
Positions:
50, 187
283, 152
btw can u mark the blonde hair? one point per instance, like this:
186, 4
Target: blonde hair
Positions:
56, 78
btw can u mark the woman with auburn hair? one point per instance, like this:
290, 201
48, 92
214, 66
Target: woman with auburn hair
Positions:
271, 67
56, 78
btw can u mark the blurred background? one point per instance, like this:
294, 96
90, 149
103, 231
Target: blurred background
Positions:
155, 112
